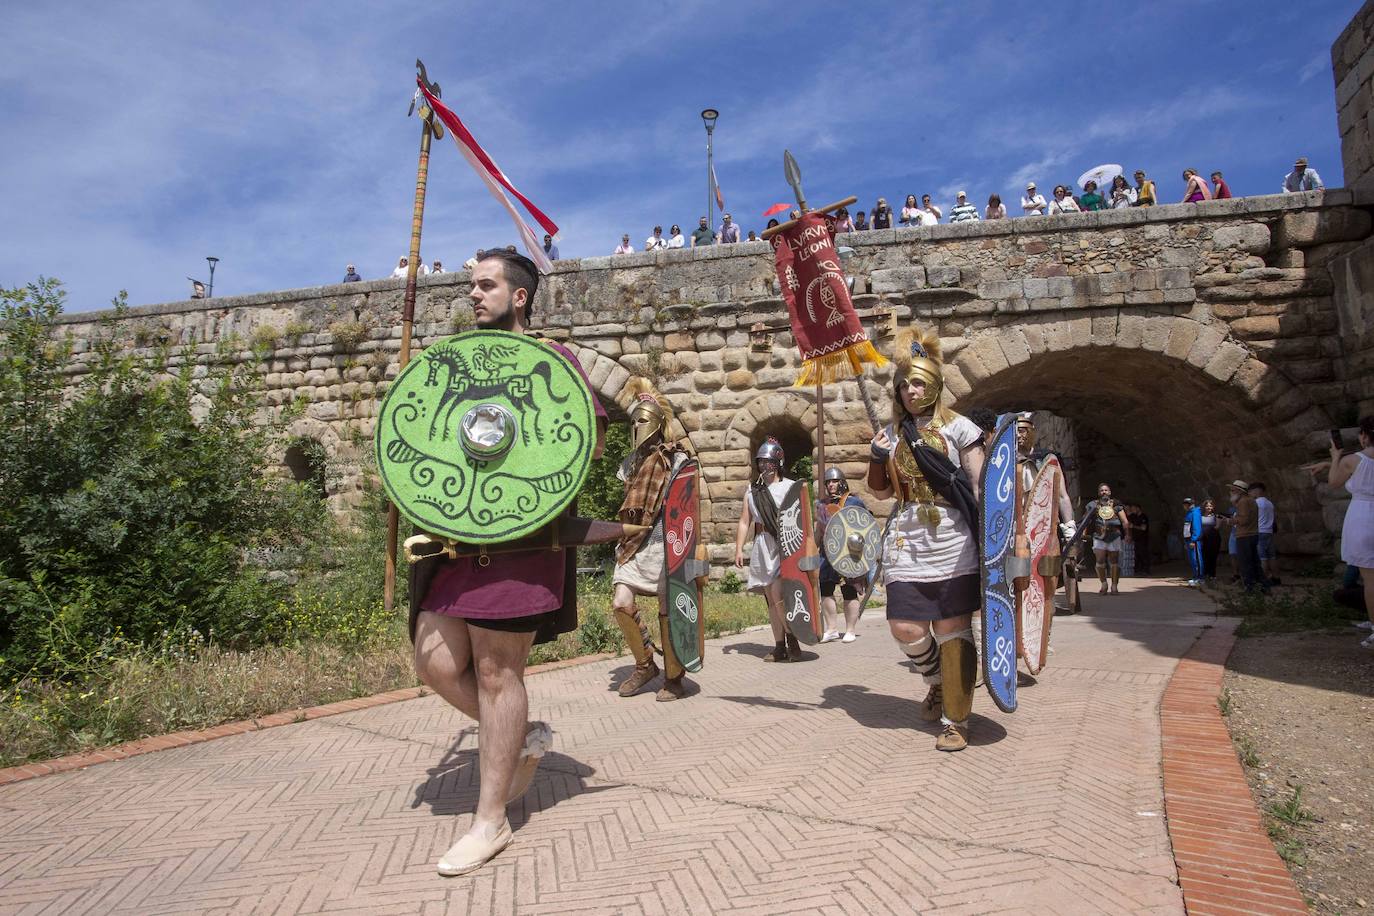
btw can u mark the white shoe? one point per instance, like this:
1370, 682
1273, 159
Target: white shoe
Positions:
473, 851
1365, 625
830, 636
849, 637
1367, 643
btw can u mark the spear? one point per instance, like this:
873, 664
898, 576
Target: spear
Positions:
429, 128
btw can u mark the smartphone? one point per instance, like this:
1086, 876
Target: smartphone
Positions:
1336, 439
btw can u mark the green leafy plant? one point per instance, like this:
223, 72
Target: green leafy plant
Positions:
348, 334
295, 329
730, 584
267, 337
1224, 701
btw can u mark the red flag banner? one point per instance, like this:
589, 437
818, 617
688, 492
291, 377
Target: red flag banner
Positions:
832, 342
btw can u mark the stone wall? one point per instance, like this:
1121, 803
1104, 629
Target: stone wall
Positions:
1200, 340
1352, 65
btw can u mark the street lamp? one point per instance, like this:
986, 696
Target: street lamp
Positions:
708, 118
213, 261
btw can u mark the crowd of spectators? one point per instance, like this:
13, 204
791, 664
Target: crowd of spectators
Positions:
1121, 194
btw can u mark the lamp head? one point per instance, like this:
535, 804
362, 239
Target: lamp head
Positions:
708, 116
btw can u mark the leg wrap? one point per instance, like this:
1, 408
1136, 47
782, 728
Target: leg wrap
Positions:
672, 668
959, 662
925, 655
636, 636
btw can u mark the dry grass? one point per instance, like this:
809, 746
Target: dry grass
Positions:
192, 685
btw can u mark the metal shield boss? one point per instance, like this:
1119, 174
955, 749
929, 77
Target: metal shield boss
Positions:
485, 437
852, 542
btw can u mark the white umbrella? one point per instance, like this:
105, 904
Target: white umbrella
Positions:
1102, 174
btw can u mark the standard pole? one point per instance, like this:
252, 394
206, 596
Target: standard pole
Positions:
820, 434
407, 321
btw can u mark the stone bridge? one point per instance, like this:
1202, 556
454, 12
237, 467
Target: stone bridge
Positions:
1179, 346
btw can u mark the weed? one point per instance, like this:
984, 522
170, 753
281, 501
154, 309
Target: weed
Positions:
1290, 810
295, 329
1224, 701
1248, 755
348, 334
267, 337
730, 584
1299, 610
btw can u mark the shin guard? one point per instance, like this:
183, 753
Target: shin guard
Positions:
1116, 572
925, 656
959, 663
672, 668
636, 636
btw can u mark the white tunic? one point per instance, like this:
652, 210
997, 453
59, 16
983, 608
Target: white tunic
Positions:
765, 560
917, 552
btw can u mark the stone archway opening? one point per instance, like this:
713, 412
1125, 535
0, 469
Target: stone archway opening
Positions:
796, 441
307, 462
1157, 430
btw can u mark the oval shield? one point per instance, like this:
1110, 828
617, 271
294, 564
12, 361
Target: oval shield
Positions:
852, 542
485, 437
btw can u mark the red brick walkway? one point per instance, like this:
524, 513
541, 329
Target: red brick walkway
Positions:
1226, 863
776, 788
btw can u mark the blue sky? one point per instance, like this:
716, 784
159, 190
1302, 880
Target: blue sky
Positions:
139, 137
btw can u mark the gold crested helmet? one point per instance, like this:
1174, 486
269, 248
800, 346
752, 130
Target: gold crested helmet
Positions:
918, 358
650, 413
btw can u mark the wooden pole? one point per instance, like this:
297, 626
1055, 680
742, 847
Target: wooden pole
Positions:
407, 321
769, 233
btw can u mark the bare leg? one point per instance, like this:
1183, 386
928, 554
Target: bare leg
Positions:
851, 614
500, 664
1367, 579
828, 614
443, 660
1101, 557
772, 593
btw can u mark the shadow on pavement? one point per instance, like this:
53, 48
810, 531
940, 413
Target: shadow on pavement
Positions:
452, 784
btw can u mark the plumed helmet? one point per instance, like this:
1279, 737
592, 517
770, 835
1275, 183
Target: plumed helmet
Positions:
834, 473
769, 450
650, 413
918, 357
1025, 425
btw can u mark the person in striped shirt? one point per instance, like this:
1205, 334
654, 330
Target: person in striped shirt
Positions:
963, 210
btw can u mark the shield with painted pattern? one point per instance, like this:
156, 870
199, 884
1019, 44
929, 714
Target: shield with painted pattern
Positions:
486, 437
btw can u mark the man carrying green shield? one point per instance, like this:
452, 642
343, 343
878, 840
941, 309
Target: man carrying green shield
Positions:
639, 564
477, 616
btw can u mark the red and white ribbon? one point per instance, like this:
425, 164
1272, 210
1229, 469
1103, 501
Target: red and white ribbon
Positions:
496, 181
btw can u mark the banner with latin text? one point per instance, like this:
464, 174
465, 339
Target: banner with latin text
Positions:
832, 342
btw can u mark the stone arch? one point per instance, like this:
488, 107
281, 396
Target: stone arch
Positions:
1193, 407
304, 464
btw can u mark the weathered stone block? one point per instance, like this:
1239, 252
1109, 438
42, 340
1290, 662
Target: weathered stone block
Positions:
1225, 361
1209, 338
1183, 334
897, 279
1319, 227
1252, 238
942, 276
1264, 327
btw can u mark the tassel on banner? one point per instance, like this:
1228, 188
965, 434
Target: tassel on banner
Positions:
836, 367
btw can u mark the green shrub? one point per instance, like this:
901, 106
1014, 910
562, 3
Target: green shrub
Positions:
348, 334
730, 584
132, 505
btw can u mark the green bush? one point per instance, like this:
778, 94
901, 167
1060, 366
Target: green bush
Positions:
131, 503
731, 584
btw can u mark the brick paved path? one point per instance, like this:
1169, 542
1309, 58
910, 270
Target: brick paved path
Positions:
810, 787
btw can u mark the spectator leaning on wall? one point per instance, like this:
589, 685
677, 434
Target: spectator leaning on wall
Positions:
1302, 178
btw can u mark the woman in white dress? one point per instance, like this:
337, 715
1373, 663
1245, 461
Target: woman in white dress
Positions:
759, 516
1356, 473
926, 459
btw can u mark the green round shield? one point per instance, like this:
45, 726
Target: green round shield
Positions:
485, 437
852, 542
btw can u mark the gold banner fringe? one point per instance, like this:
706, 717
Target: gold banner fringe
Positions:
843, 364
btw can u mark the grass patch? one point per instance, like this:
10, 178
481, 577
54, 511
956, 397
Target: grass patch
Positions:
1288, 611
128, 691
1282, 819
1224, 701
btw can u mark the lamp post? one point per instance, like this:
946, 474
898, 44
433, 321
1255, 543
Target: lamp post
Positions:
708, 117
212, 261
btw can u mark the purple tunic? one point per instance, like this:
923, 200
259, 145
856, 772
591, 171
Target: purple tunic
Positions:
513, 584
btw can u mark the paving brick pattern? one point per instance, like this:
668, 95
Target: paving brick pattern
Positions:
1226, 863
809, 788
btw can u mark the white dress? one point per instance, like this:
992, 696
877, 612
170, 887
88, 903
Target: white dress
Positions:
1357, 534
917, 552
765, 560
